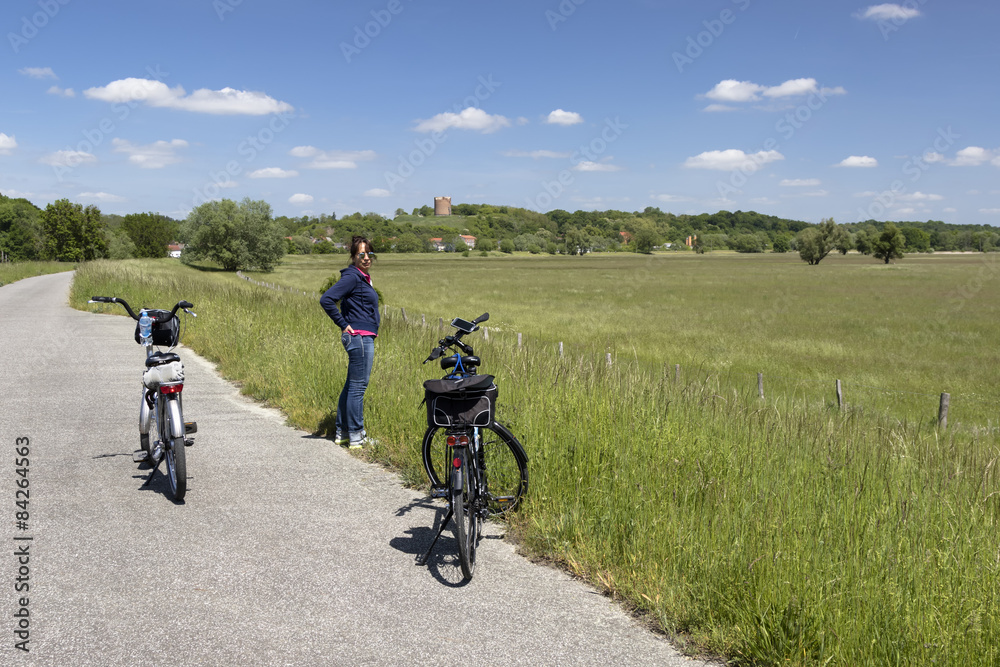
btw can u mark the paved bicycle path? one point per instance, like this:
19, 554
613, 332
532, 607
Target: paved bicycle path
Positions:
287, 549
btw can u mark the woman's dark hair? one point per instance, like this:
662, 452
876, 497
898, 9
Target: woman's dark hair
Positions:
356, 242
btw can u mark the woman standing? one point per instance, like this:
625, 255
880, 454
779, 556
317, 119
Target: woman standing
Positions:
358, 319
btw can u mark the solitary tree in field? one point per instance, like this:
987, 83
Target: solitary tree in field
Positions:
237, 236
817, 242
889, 244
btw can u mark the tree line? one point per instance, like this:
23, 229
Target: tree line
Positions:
246, 235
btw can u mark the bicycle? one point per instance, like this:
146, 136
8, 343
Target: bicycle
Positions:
160, 407
472, 460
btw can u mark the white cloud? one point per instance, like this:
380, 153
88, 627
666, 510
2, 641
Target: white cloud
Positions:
377, 192
273, 172
536, 154
332, 159
560, 117
670, 198
731, 159
67, 158
931, 157
63, 92
988, 210
792, 87
39, 72
971, 156
7, 144
227, 101
469, 118
715, 108
919, 196
858, 161
100, 196
587, 165
300, 199
888, 12
799, 182
731, 90
18, 194
151, 156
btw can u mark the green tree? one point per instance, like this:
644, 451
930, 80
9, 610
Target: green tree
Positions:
73, 233
644, 239
21, 236
410, 242
917, 240
151, 233
817, 242
889, 244
781, 244
236, 236
507, 246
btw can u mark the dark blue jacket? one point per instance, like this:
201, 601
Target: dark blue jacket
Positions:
358, 301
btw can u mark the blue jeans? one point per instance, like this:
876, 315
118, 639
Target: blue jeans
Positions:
350, 408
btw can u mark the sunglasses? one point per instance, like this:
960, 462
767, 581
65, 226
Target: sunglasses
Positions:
366, 254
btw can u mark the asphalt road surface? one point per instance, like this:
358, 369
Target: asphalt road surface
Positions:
286, 551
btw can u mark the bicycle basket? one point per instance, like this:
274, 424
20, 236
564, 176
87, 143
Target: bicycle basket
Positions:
166, 332
467, 401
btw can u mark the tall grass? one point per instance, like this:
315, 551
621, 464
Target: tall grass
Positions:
768, 531
13, 271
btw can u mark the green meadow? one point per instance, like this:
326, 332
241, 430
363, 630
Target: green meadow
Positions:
772, 531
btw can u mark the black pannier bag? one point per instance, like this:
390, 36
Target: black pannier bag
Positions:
469, 401
166, 332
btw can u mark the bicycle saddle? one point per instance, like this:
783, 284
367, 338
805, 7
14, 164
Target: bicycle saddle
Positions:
158, 358
467, 362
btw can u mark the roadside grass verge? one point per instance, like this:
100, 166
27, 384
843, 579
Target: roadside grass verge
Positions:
13, 271
772, 532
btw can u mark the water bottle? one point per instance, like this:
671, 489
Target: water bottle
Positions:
145, 327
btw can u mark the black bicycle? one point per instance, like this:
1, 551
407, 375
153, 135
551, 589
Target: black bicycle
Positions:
160, 408
472, 460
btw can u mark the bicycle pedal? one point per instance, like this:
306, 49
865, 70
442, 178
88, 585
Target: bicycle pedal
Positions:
189, 428
140, 456
188, 442
439, 492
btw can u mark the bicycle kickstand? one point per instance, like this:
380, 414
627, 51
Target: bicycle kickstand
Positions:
422, 560
153, 471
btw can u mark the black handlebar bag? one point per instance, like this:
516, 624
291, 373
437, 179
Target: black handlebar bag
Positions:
166, 332
469, 401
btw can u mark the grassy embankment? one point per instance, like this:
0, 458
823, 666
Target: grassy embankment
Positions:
13, 271
772, 531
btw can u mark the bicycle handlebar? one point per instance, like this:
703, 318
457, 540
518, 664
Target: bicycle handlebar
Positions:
182, 305
455, 340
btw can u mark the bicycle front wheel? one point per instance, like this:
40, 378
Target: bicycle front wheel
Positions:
173, 422
502, 460
463, 506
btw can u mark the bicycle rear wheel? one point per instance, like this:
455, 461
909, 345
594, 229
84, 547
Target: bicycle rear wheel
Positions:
463, 506
174, 447
502, 460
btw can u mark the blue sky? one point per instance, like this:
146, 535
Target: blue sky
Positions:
801, 109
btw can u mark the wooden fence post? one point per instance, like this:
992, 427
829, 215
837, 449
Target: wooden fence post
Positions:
609, 360
519, 340
404, 314
441, 324
943, 410
677, 372
840, 396
760, 385
560, 350
423, 320
486, 333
